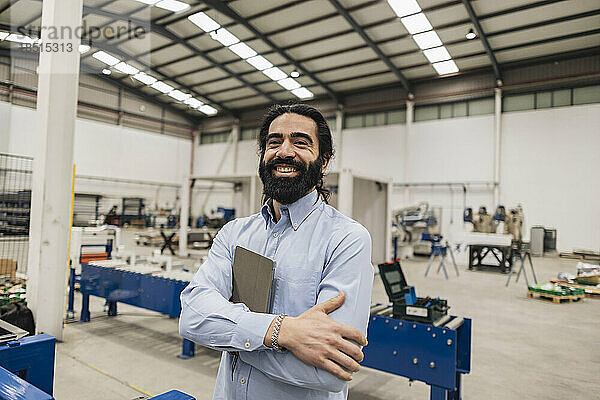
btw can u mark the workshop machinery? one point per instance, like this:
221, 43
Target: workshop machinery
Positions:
408, 226
26, 364
492, 249
416, 338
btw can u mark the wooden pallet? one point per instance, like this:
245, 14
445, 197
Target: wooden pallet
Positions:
590, 291
555, 299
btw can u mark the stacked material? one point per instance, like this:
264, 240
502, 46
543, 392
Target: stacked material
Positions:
12, 292
554, 289
588, 273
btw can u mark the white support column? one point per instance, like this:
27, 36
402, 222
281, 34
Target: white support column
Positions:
184, 216
339, 140
497, 143
53, 168
345, 192
410, 113
235, 136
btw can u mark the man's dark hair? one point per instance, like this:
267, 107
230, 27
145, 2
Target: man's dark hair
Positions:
323, 134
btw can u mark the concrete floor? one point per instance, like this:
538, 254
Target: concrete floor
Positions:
522, 348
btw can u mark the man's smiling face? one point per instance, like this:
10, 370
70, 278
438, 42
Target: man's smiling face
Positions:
291, 166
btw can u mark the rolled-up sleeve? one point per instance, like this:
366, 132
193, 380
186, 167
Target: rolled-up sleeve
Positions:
348, 269
207, 316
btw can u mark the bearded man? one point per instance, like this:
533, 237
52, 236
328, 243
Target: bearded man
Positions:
308, 345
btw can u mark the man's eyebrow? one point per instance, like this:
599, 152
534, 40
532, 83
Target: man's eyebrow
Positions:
302, 135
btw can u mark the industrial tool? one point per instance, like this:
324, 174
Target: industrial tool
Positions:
410, 223
435, 350
439, 249
406, 305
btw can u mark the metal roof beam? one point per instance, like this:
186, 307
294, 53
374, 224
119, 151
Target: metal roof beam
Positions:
483, 38
384, 21
8, 5
226, 10
370, 43
171, 36
86, 67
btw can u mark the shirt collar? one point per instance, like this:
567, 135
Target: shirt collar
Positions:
299, 210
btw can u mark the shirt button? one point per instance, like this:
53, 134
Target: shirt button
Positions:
295, 225
242, 381
247, 345
275, 234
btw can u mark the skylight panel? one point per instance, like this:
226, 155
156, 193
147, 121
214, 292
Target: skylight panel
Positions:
437, 54
275, 73
204, 22
224, 37
13, 37
3, 35
208, 110
192, 102
173, 5
126, 68
106, 58
179, 95
416, 23
445, 67
403, 8
289, 83
145, 78
427, 40
83, 48
162, 87
242, 50
303, 93
259, 62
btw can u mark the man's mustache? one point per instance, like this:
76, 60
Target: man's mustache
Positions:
282, 161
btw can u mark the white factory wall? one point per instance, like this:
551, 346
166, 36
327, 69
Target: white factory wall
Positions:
549, 165
108, 151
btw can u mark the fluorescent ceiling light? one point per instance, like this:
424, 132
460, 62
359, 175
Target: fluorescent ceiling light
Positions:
295, 74
224, 37
13, 37
242, 50
416, 23
445, 67
259, 62
145, 78
208, 110
427, 40
437, 54
302, 93
192, 102
106, 71
173, 5
3, 35
275, 73
471, 34
106, 58
204, 22
162, 87
403, 8
179, 95
84, 48
126, 68
289, 83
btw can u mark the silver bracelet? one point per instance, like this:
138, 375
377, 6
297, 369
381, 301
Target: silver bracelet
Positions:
275, 334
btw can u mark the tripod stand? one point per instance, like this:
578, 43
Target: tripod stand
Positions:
441, 250
522, 252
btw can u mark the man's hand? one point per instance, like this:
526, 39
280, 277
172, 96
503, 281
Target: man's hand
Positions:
316, 339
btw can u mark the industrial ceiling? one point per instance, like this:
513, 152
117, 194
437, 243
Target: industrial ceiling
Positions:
213, 56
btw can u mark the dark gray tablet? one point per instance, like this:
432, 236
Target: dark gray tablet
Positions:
252, 279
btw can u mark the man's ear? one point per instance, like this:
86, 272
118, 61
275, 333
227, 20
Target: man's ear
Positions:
325, 164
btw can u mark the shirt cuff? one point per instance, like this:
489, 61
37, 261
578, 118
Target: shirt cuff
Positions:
252, 330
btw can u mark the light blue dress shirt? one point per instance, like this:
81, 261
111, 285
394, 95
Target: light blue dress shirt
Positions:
318, 252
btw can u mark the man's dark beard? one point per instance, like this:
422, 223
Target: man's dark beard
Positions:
287, 190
